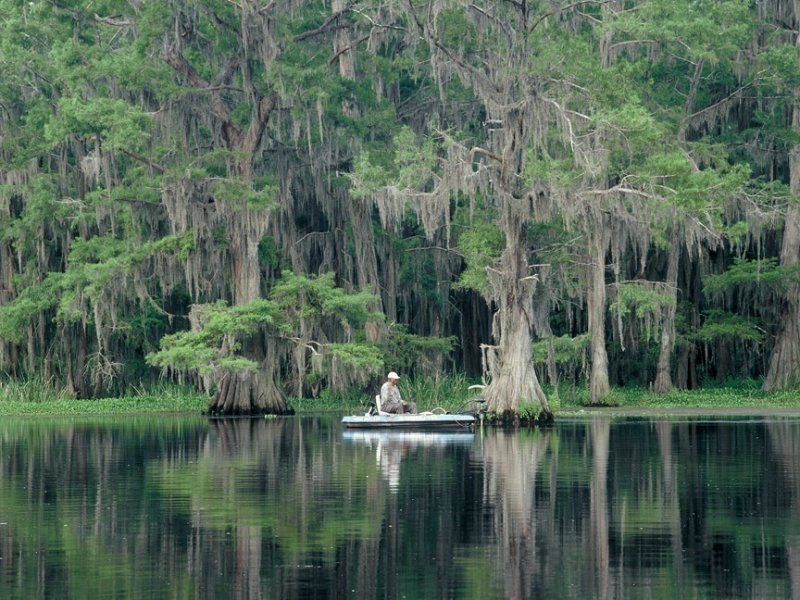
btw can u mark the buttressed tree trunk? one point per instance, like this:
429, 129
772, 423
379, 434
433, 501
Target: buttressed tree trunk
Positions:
511, 363
249, 392
784, 366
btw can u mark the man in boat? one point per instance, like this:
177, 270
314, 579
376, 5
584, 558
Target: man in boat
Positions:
391, 401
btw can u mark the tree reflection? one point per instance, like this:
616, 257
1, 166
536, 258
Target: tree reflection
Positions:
671, 499
785, 442
511, 463
293, 508
598, 539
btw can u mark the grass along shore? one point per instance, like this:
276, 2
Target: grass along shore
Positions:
38, 397
452, 393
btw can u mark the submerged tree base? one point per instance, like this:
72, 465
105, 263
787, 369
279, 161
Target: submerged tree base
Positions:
514, 419
248, 393
214, 412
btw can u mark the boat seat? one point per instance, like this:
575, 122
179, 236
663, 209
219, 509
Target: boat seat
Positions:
378, 406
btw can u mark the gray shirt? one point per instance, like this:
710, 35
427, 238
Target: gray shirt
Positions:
390, 398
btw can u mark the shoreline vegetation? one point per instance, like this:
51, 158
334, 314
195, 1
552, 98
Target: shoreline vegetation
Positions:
734, 397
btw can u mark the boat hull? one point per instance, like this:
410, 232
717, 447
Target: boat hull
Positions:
409, 422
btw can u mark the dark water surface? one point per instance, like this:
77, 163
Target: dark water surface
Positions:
296, 508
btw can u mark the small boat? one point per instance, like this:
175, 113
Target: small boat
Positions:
377, 419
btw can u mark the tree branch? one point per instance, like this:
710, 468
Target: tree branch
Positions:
478, 150
630, 43
376, 24
333, 58
145, 160
732, 96
492, 17
538, 21
322, 28
178, 62
112, 21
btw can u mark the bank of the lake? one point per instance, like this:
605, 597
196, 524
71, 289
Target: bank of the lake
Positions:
741, 397
37, 399
736, 397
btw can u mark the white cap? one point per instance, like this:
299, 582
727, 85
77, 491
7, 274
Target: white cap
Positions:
392, 375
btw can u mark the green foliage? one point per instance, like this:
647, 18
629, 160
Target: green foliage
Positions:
673, 176
630, 128
719, 324
269, 255
408, 352
237, 192
37, 397
781, 62
367, 176
301, 298
218, 340
560, 172
296, 303
481, 245
414, 161
635, 298
94, 264
450, 392
358, 356
569, 351
32, 300
116, 122
410, 166
744, 273
716, 398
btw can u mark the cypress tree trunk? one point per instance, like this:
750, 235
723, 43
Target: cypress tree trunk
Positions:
784, 367
663, 381
249, 392
8, 355
599, 386
511, 367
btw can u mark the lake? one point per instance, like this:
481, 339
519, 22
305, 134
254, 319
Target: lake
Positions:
298, 508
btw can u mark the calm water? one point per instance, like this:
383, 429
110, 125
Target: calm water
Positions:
297, 508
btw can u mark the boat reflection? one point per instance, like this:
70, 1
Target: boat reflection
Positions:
392, 446
421, 438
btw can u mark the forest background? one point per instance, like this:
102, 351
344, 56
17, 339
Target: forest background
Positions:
285, 198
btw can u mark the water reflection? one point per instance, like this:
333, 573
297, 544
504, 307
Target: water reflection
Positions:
391, 446
786, 446
298, 508
511, 462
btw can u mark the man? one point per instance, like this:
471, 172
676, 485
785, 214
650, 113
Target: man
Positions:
391, 401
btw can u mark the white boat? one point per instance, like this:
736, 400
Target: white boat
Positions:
378, 419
